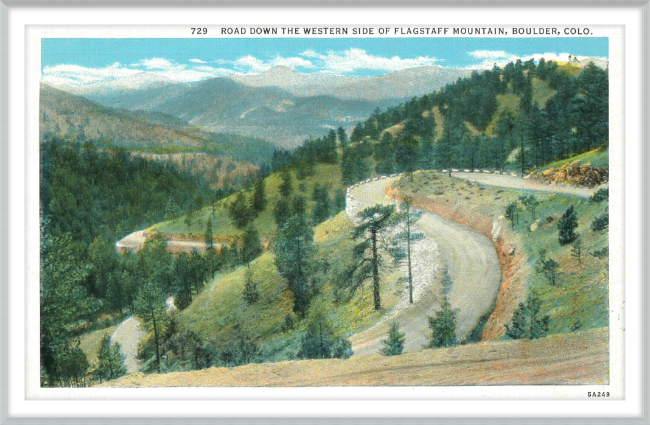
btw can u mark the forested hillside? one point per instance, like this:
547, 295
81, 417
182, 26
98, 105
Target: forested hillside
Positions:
522, 116
89, 199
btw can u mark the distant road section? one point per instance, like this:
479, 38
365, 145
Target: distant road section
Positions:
516, 182
136, 240
470, 257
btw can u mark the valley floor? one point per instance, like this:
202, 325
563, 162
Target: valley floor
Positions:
574, 358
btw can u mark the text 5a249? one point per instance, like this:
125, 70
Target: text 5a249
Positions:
599, 394
199, 31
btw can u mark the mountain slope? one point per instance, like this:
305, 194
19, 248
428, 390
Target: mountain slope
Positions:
65, 114
223, 105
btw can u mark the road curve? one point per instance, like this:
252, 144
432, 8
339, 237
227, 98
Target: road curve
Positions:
472, 262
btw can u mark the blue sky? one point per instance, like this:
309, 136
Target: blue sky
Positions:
80, 61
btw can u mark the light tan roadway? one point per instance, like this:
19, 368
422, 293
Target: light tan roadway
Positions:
473, 266
135, 241
128, 335
516, 182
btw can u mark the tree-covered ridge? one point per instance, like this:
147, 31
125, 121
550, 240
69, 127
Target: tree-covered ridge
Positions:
87, 192
480, 130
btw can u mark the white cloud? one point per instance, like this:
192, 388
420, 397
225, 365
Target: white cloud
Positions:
79, 75
159, 64
251, 64
354, 59
197, 61
489, 54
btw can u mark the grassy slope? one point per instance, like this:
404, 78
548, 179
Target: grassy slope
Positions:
220, 313
91, 341
597, 158
578, 358
581, 296
329, 174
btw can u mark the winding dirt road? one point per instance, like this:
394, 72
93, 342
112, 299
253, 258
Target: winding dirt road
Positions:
470, 257
128, 335
516, 182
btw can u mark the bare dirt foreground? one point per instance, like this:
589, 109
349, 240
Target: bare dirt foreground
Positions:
575, 358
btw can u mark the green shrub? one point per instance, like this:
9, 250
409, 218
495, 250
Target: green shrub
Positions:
394, 345
600, 223
601, 195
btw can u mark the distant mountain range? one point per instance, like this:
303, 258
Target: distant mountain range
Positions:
65, 114
280, 105
395, 85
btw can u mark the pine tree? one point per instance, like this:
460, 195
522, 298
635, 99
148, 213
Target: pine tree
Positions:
259, 201
151, 308
251, 294
394, 345
527, 323
443, 326
111, 361
342, 136
294, 258
286, 186
339, 200
566, 226
208, 234
251, 246
321, 210
576, 251
366, 253
239, 212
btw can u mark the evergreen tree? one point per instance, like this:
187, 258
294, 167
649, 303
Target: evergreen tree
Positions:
150, 307
548, 267
407, 155
339, 200
527, 323
238, 211
566, 226
357, 133
527, 95
208, 234
342, 136
259, 200
394, 345
251, 294
294, 258
443, 326
286, 186
298, 205
111, 361
321, 210
64, 301
282, 212
251, 246
576, 251
366, 253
